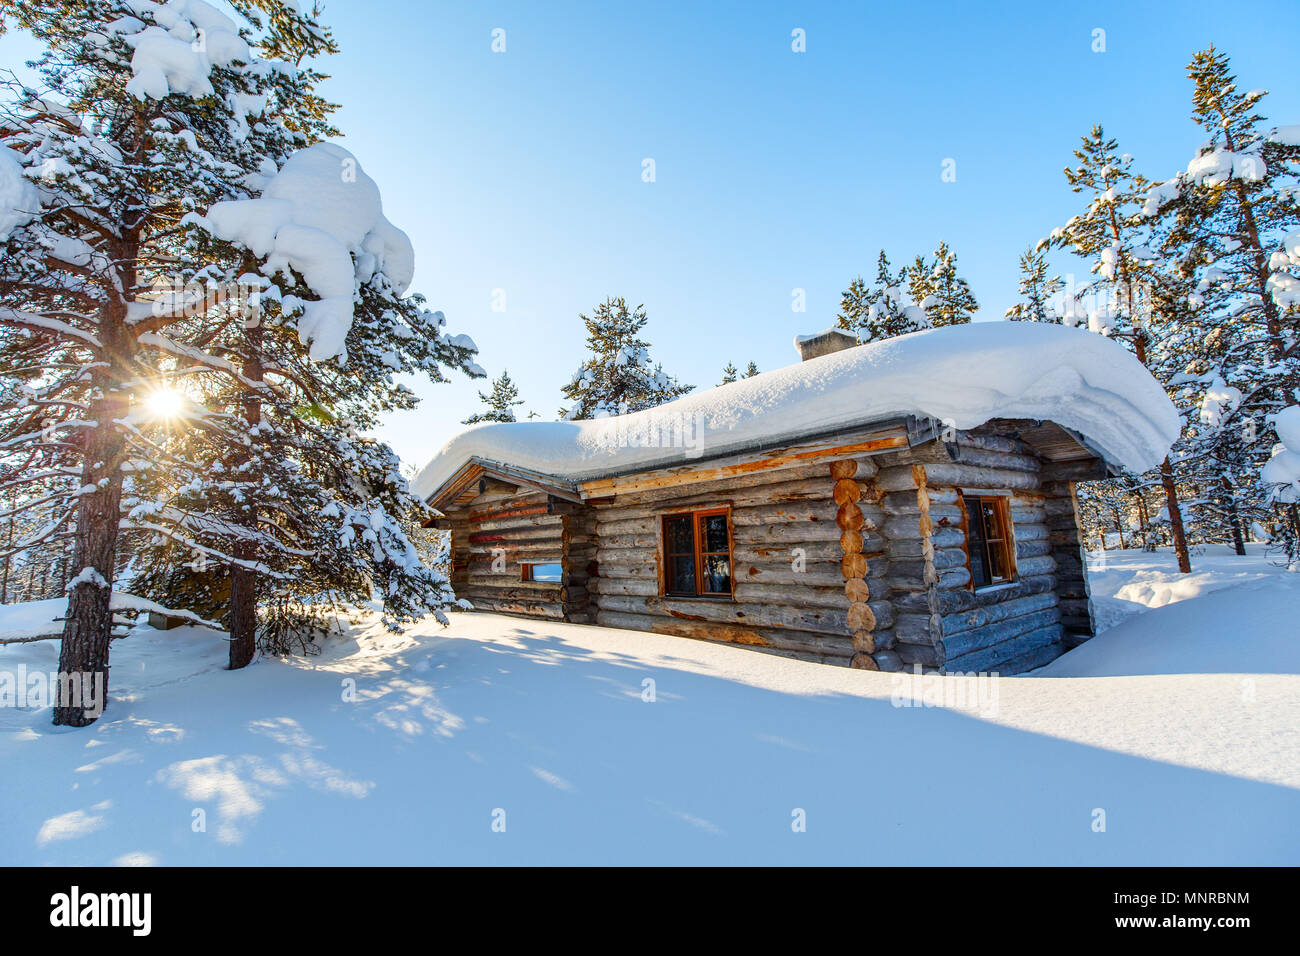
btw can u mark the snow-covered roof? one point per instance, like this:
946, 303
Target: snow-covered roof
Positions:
962, 375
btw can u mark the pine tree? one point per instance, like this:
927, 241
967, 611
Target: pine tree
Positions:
127, 275
501, 403
1036, 290
617, 377
1232, 217
855, 305
1113, 233
751, 370
729, 374
943, 295
882, 310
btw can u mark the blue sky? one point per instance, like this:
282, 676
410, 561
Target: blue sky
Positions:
521, 171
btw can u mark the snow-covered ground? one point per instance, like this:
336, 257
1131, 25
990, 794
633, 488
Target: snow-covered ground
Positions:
1190, 746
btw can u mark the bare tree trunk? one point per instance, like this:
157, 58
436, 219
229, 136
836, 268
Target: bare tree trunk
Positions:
243, 582
1143, 520
83, 655
1234, 520
1175, 517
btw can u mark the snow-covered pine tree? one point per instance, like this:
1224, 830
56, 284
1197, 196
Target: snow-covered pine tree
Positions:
152, 113
1037, 289
729, 374
617, 376
881, 310
1113, 233
942, 294
500, 404
1234, 215
750, 370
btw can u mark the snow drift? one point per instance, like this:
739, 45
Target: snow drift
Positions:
963, 375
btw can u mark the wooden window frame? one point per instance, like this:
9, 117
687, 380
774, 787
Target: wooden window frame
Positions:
1007, 541
526, 572
696, 515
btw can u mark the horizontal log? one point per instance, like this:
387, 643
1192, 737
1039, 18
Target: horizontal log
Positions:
921, 654
1032, 549
963, 621
499, 581
807, 551
817, 620
753, 592
553, 612
997, 443
763, 495
804, 512
910, 546
1032, 567
988, 458
904, 502
477, 518
602, 586
786, 533
939, 474
988, 659
519, 524
802, 645
1033, 658
520, 535
712, 471
814, 472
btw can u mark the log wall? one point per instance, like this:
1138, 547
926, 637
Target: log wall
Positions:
940, 622
790, 591
505, 527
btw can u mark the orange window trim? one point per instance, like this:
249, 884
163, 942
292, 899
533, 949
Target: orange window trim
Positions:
1002, 540
697, 517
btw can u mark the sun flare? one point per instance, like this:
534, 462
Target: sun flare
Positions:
164, 403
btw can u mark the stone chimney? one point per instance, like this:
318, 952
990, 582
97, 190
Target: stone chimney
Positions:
823, 343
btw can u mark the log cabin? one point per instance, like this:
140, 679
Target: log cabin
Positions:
900, 504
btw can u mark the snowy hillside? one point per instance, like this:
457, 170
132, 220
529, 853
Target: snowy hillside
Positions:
547, 728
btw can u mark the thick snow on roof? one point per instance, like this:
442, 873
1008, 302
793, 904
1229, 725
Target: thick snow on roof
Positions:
963, 375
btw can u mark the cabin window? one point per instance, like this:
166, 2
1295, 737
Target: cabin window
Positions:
541, 573
988, 540
697, 553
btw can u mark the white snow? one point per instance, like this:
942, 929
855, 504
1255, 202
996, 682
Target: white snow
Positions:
19, 200
1220, 165
549, 725
962, 374
1286, 135
44, 618
178, 54
1281, 474
322, 216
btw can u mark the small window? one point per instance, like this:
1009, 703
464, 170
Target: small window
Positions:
542, 573
988, 540
697, 553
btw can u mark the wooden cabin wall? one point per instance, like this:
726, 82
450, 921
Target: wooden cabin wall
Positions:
579, 561
789, 584
859, 561
1062, 505
528, 526
940, 622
